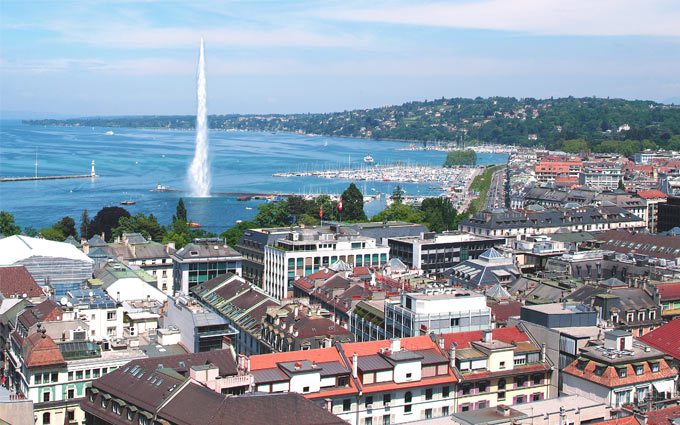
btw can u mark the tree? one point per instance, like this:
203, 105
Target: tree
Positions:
52, 234
85, 225
621, 185
233, 235
66, 226
439, 214
353, 204
7, 225
181, 212
461, 157
397, 195
106, 220
148, 226
399, 212
575, 146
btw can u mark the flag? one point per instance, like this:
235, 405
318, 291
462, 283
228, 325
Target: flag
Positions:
340, 205
320, 212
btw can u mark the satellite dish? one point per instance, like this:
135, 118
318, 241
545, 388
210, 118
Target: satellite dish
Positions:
63, 300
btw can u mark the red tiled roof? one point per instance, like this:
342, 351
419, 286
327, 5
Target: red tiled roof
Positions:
669, 291
319, 355
651, 194
663, 416
665, 338
16, 281
610, 378
361, 271
368, 348
41, 350
628, 420
463, 339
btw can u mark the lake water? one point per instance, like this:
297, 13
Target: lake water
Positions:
131, 162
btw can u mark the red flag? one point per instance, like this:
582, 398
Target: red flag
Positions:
320, 212
340, 205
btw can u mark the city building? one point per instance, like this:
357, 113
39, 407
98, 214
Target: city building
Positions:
653, 198
103, 315
513, 223
434, 253
531, 253
549, 169
666, 249
622, 307
668, 294
125, 284
202, 260
201, 328
601, 176
242, 304
436, 311
49, 262
499, 367
55, 375
491, 268
666, 339
17, 282
306, 251
367, 320
621, 372
252, 244
15, 410
193, 389
152, 257
669, 214
298, 326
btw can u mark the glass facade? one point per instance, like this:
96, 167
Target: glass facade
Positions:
200, 272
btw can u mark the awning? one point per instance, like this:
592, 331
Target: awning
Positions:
664, 386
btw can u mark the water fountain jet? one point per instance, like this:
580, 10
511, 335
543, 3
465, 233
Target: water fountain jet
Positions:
199, 170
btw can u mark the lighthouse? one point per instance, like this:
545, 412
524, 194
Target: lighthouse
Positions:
92, 173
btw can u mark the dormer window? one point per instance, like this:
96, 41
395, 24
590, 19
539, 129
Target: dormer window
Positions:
622, 372
639, 369
654, 367
599, 370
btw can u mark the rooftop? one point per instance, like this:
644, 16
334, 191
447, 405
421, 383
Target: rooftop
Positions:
17, 248
16, 281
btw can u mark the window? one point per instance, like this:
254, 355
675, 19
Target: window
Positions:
386, 420
38, 379
501, 365
445, 391
368, 402
143, 420
70, 376
87, 374
501, 395
536, 396
92, 397
55, 377
408, 398
428, 394
408, 375
652, 315
501, 384
71, 415
654, 367
111, 315
445, 411
482, 404
116, 408
79, 374
71, 393
346, 405
46, 396
95, 373
638, 369
111, 331
387, 399
520, 361
305, 389
130, 415
466, 389
599, 370
428, 413
103, 403
483, 386
622, 371
519, 399
368, 421
343, 381
465, 407
46, 418
538, 379
520, 381
455, 322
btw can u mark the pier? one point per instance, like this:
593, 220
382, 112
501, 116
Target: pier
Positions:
92, 174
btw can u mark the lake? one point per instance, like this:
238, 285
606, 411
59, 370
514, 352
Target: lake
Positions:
131, 162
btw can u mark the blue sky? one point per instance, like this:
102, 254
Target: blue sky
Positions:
123, 57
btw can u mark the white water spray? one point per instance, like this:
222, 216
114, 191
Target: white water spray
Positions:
199, 171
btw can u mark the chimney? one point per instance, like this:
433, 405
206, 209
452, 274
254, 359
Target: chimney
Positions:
487, 336
441, 342
296, 311
355, 366
503, 410
395, 345
170, 246
452, 355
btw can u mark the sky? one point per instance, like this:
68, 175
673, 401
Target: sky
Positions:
84, 58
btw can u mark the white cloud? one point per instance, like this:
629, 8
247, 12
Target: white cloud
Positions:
545, 17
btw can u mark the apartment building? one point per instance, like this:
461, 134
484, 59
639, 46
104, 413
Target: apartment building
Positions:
306, 251
202, 260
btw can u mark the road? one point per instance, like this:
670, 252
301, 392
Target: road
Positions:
496, 196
